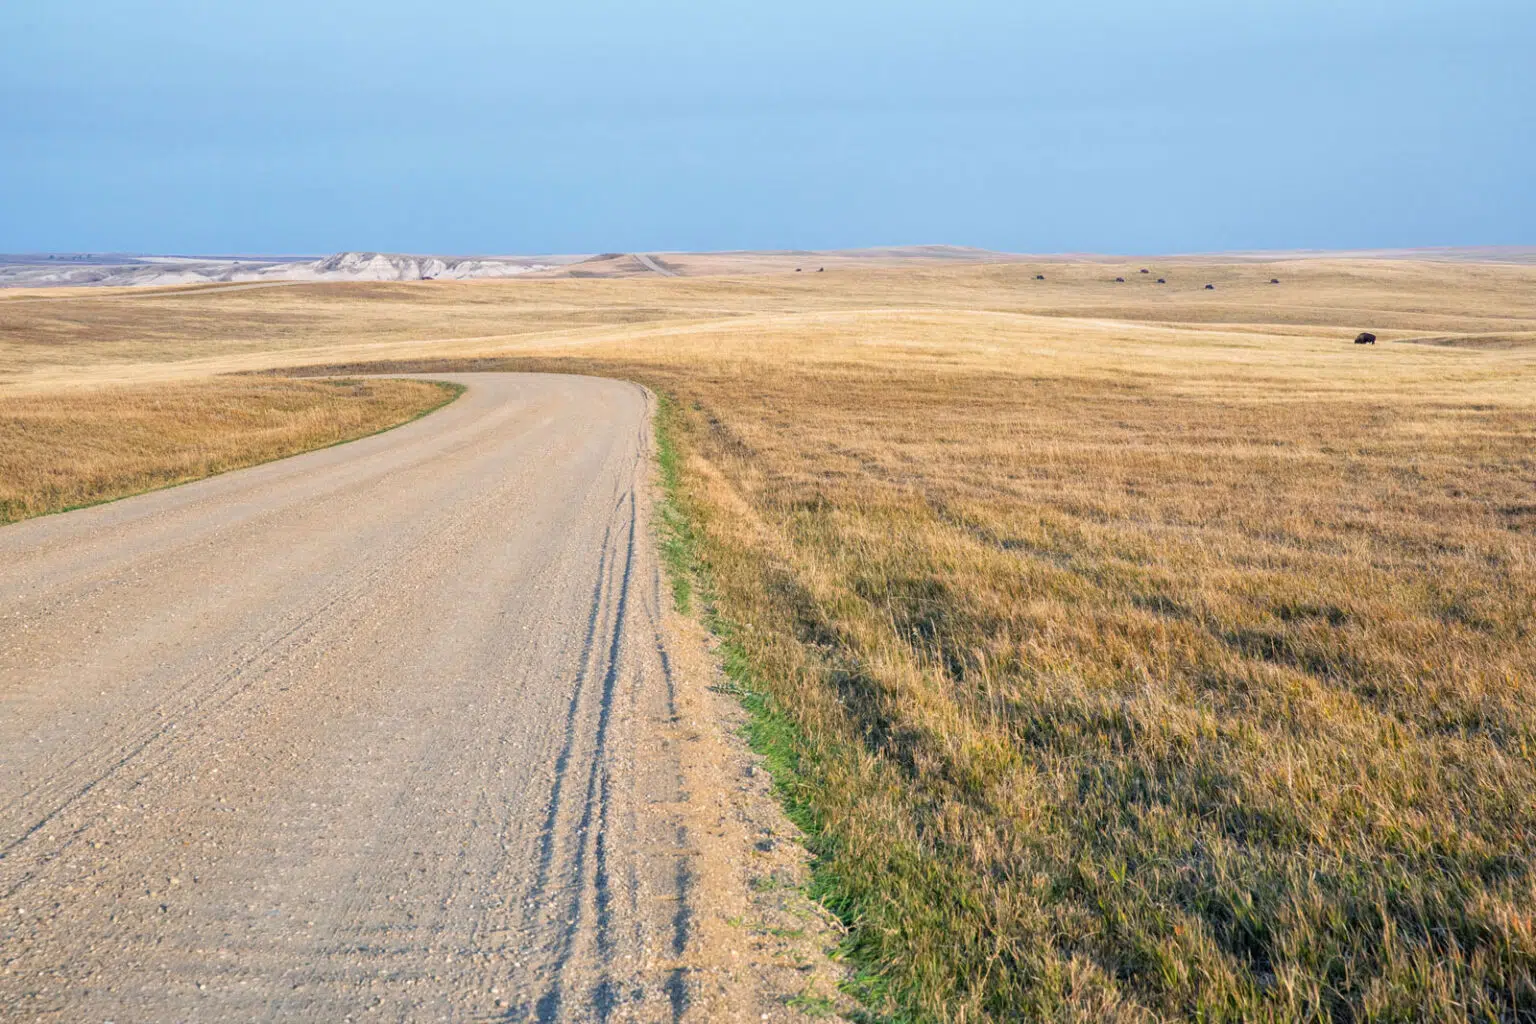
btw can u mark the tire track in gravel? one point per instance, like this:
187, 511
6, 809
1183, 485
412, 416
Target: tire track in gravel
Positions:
597, 802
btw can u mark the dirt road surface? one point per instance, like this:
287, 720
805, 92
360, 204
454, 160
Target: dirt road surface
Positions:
369, 733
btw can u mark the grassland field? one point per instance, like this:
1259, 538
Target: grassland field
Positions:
1135, 652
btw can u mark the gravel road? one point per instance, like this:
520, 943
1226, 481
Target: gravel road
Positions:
649, 263
369, 733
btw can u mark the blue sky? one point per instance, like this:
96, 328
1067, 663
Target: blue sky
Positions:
308, 126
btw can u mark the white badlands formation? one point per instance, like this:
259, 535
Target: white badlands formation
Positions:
43, 271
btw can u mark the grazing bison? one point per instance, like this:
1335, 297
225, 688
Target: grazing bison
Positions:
1120, 280
1210, 287
1039, 277
1365, 338
1162, 280
1274, 280
1144, 270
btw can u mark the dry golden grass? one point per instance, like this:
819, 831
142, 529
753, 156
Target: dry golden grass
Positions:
1123, 702
67, 450
1140, 653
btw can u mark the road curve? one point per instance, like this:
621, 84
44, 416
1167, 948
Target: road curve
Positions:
649, 263
361, 734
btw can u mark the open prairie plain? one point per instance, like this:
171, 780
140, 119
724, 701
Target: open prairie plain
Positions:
1133, 650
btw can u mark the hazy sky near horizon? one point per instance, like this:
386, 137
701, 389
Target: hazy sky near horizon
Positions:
309, 126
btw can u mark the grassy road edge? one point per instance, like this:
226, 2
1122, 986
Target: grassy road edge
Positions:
770, 733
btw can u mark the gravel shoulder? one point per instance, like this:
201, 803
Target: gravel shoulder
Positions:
401, 729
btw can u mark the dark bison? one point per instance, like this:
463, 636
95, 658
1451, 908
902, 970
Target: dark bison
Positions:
1274, 280
1162, 280
1210, 287
1365, 338
1039, 277
1120, 280
1144, 270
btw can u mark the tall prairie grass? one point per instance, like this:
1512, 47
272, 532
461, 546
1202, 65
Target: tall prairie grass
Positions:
1123, 704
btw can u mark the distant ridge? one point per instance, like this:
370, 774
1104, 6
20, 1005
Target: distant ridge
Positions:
1434, 253
46, 270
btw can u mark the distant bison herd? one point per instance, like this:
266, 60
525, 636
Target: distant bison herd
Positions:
1161, 280
1363, 338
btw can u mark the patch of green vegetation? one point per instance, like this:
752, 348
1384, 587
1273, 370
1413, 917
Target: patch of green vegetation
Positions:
674, 528
812, 1004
